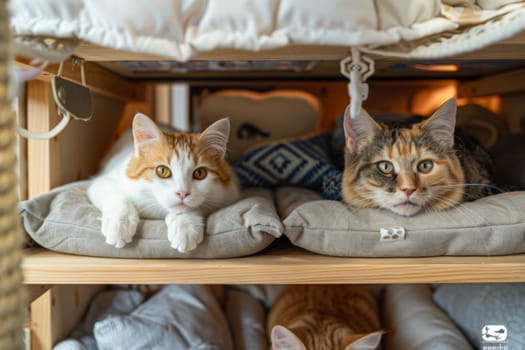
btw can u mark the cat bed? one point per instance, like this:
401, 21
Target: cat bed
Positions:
493, 225
65, 221
413, 321
179, 30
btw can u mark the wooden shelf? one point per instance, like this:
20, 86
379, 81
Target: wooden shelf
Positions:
275, 265
511, 48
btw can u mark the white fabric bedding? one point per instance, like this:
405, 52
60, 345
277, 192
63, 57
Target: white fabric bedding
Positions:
179, 29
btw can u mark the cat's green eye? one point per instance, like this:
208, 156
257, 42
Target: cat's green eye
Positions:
200, 173
425, 166
163, 172
385, 167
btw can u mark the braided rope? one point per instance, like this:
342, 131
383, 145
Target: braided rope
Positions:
11, 292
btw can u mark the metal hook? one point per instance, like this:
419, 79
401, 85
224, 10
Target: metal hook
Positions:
357, 68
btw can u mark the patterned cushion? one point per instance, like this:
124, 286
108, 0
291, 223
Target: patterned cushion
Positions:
304, 162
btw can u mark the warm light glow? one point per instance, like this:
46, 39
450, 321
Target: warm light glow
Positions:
426, 100
492, 103
436, 67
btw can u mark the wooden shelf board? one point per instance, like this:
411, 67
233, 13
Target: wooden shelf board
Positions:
274, 265
511, 48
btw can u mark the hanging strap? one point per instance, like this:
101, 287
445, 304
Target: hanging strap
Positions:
59, 95
357, 68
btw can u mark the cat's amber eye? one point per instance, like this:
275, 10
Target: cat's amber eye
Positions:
425, 166
163, 172
385, 167
200, 173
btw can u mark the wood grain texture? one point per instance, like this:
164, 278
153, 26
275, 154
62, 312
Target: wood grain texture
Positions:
98, 79
276, 266
511, 48
43, 156
56, 312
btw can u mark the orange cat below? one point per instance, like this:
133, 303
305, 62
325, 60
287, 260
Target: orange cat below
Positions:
332, 317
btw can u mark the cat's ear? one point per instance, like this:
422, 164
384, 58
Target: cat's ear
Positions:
215, 137
145, 132
442, 123
368, 342
358, 129
284, 339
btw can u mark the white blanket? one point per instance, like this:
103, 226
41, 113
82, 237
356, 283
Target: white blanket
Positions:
179, 29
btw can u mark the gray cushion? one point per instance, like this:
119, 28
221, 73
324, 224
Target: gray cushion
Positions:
247, 319
493, 225
178, 317
413, 321
64, 220
474, 307
107, 303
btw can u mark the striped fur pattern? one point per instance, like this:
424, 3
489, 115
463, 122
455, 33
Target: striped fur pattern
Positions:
328, 317
412, 167
153, 174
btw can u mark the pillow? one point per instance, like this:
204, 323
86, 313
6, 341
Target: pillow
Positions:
260, 116
487, 313
105, 304
493, 225
177, 317
413, 321
65, 221
247, 319
304, 162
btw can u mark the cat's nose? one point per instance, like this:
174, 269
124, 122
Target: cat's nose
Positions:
182, 194
408, 191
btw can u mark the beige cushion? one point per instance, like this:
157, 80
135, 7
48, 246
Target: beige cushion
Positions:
493, 225
276, 114
64, 220
413, 321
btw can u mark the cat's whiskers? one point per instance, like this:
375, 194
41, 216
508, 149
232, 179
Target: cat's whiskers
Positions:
451, 186
457, 206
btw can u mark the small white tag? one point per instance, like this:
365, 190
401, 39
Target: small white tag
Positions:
392, 233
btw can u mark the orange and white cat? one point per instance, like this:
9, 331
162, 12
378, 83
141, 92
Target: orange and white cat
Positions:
152, 174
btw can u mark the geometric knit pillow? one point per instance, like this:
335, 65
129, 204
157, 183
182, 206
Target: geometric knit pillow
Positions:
303, 162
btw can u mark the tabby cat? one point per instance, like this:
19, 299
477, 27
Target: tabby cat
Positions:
411, 167
331, 317
178, 177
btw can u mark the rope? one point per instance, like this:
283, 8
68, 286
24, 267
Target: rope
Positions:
12, 298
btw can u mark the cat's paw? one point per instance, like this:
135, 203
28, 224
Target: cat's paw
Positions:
185, 231
119, 225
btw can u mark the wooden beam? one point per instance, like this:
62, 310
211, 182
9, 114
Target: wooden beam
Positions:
56, 312
43, 156
98, 79
275, 266
512, 48
499, 84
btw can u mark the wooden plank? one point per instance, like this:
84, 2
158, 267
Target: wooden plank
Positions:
499, 84
98, 79
56, 312
41, 322
512, 48
162, 103
21, 111
277, 266
43, 156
